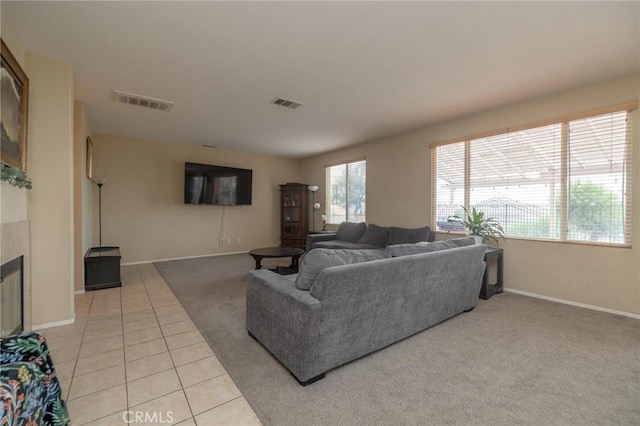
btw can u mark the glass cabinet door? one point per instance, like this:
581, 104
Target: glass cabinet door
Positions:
291, 211
294, 214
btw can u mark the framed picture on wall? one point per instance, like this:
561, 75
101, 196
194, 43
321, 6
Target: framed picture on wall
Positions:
89, 157
13, 111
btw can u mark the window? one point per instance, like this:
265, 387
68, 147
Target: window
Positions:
568, 181
346, 192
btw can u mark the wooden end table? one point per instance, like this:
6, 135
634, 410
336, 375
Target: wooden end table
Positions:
275, 252
487, 290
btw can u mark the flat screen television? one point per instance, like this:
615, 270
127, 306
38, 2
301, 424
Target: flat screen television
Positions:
209, 184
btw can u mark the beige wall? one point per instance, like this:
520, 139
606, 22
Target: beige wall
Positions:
88, 188
50, 202
143, 210
83, 194
397, 175
13, 203
45, 213
398, 193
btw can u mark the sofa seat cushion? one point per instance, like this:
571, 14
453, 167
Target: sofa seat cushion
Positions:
318, 259
375, 235
408, 235
346, 245
398, 250
349, 231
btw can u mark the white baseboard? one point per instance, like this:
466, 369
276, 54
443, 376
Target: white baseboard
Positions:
569, 302
183, 258
79, 292
54, 324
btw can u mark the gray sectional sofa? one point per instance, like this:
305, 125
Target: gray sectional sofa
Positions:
359, 301
350, 235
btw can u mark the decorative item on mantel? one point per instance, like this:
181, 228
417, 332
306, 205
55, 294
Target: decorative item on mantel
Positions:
14, 176
316, 205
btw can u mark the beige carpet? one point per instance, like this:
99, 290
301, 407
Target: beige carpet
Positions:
513, 360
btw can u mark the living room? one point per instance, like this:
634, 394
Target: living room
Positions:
142, 209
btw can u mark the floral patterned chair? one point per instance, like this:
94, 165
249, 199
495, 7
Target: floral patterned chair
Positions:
30, 393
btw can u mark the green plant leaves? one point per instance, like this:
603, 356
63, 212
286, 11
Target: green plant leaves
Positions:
486, 227
14, 176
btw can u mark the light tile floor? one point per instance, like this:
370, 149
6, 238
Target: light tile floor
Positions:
133, 356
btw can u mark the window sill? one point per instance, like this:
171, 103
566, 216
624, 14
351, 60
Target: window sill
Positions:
547, 240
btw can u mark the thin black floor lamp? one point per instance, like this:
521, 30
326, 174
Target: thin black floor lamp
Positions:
100, 182
315, 205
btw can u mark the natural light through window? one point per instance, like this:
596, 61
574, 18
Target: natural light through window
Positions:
568, 181
346, 192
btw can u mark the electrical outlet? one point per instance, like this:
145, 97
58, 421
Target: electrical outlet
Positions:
221, 241
239, 240
228, 240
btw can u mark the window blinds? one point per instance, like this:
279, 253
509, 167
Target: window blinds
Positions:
569, 180
599, 196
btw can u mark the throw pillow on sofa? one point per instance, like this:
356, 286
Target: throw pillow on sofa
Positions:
375, 235
423, 247
408, 235
318, 259
350, 231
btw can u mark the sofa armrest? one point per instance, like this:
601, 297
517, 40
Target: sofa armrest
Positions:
314, 238
285, 320
282, 285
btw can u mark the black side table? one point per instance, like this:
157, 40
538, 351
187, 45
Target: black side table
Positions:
102, 268
487, 290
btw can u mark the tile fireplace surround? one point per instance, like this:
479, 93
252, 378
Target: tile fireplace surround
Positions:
16, 242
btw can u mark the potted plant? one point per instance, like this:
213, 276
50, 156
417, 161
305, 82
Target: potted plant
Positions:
479, 226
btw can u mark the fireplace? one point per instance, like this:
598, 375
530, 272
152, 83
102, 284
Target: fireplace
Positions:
12, 297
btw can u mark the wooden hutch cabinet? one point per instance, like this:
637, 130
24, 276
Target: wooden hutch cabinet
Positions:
294, 216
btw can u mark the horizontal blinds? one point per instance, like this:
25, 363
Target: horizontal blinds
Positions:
337, 178
356, 191
567, 181
599, 151
448, 171
515, 177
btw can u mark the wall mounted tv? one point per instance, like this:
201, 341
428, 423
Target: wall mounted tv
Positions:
209, 184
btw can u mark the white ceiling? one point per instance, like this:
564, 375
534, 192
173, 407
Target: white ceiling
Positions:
362, 70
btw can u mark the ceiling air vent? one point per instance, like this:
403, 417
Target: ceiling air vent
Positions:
286, 103
143, 101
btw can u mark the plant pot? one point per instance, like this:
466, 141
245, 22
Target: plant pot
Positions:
478, 239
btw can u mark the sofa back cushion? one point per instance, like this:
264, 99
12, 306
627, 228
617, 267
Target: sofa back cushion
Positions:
375, 235
408, 235
350, 231
423, 247
318, 259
